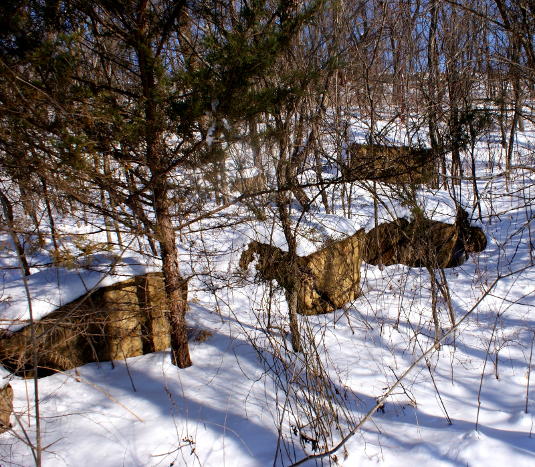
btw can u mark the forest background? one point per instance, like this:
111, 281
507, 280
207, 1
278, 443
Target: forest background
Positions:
162, 127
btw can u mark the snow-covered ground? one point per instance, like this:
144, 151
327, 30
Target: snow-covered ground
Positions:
249, 400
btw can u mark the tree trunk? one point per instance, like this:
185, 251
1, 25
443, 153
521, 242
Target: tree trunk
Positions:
176, 287
455, 128
292, 289
517, 110
376, 219
53, 232
321, 182
283, 201
8, 213
433, 108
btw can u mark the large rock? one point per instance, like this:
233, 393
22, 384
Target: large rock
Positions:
125, 320
391, 164
424, 243
6, 407
328, 278
247, 185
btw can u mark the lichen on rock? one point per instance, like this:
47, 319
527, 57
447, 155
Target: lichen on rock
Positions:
328, 278
124, 320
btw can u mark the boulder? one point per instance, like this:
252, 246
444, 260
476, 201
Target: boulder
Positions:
328, 278
251, 184
390, 164
124, 320
424, 243
6, 407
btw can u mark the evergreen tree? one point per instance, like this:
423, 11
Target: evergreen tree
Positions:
122, 96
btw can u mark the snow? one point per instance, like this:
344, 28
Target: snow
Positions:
210, 135
242, 392
248, 172
314, 229
55, 287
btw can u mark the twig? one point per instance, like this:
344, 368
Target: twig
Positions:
484, 366
381, 399
529, 370
128, 371
37, 450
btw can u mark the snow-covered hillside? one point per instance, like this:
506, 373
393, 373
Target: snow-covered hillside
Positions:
249, 400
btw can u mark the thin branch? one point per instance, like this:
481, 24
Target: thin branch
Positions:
427, 353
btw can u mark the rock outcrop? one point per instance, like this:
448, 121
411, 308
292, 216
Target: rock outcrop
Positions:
424, 243
6, 407
390, 164
130, 318
125, 320
328, 278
